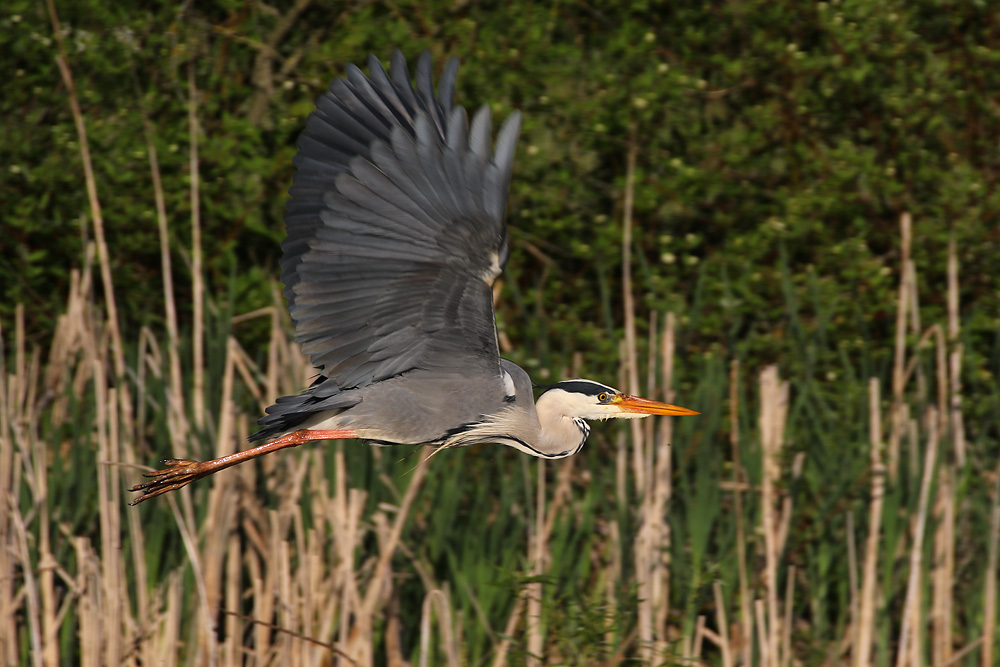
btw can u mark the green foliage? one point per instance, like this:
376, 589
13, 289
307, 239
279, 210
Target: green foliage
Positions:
766, 130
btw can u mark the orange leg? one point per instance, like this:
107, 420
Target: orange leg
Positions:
180, 472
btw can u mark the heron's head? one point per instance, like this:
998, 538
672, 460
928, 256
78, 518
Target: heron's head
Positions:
587, 399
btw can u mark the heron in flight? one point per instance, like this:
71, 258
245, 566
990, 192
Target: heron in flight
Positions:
395, 235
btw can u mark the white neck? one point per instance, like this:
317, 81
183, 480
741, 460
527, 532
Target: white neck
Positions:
560, 433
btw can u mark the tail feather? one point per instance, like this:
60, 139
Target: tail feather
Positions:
289, 412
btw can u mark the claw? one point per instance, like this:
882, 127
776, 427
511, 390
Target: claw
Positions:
178, 473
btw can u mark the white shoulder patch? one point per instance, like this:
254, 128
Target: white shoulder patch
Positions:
508, 385
492, 273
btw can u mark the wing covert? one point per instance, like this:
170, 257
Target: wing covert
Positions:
395, 228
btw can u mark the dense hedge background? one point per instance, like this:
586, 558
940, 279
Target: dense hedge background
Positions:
779, 143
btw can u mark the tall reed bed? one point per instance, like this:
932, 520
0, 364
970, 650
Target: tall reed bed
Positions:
804, 521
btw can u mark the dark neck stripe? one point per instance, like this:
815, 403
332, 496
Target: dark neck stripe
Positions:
581, 387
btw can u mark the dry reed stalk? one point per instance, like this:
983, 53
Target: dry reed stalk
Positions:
862, 647
18, 427
646, 544
169, 636
311, 583
621, 444
990, 585
8, 631
296, 576
176, 420
613, 573
148, 360
344, 512
46, 560
62, 60
247, 369
218, 521
944, 548
32, 608
81, 375
649, 425
955, 358
745, 645
943, 576
628, 305
263, 601
662, 491
326, 594
115, 568
786, 625
537, 547
773, 413
286, 609
393, 640
961, 653
89, 607
614, 570
644, 554
913, 368
66, 343
436, 600
699, 636
269, 575
852, 575
117, 347
653, 538
20, 384
501, 649
760, 614
720, 618
941, 366
913, 447
910, 633
913, 309
206, 647
621, 464
231, 650
899, 363
217, 526
786, 503
197, 279
31, 403
314, 585
110, 612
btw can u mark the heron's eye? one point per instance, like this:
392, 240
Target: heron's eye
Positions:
602, 397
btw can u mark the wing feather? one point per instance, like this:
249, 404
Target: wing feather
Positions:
394, 229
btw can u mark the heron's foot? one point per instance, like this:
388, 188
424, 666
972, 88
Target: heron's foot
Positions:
178, 473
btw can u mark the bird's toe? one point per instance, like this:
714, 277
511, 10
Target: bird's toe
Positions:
178, 473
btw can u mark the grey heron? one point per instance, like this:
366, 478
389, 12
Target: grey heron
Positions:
395, 235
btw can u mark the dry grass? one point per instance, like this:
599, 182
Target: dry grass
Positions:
314, 577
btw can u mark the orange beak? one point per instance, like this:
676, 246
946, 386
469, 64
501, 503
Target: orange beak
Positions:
647, 407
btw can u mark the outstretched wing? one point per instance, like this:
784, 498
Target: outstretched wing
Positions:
395, 228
